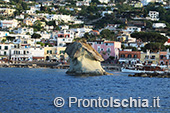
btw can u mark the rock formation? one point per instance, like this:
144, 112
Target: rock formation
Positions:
84, 60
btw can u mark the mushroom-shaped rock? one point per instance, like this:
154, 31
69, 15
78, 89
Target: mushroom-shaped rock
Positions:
84, 60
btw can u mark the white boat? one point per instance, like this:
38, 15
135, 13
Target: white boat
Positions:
143, 69
124, 70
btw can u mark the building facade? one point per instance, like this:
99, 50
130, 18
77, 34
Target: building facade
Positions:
129, 56
107, 48
149, 58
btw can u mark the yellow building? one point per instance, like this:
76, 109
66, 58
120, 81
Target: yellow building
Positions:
10, 11
61, 55
149, 58
55, 54
138, 5
7, 11
50, 53
28, 22
43, 24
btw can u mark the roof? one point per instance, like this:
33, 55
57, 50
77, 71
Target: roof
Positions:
109, 42
168, 40
95, 31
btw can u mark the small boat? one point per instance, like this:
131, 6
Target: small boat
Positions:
139, 68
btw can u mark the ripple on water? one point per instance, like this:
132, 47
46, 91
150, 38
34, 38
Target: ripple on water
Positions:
33, 90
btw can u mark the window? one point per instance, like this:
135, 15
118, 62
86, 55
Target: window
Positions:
98, 49
122, 56
25, 42
161, 56
98, 42
149, 62
129, 56
135, 56
62, 52
4, 52
146, 57
49, 51
0, 47
6, 47
110, 44
106, 44
108, 50
153, 57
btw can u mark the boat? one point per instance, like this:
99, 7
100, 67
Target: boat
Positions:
139, 68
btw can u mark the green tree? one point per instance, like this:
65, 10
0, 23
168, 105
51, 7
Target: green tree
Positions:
107, 34
37, 26
154, 47
10, 38
3, 40
149, 37
36, 36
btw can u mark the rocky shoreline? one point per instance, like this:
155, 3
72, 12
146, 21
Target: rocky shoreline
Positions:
36, 65
150, 75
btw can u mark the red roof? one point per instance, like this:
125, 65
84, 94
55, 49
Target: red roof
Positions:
168, 40
95, 31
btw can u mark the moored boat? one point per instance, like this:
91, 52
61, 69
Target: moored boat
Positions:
143, 69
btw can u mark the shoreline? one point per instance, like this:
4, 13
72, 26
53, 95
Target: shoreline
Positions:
52, 65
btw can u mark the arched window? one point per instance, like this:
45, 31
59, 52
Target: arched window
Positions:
122, 56
129, 56
135, 56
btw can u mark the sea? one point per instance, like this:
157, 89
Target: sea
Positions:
25, 90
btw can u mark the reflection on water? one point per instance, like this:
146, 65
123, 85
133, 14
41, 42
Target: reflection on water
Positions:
33, 90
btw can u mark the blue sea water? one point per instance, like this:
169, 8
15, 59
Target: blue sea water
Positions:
24, 90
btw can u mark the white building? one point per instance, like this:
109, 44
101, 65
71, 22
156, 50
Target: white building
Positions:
32, 10
62, 27
79, 32
37, 53
82, 3
24, 30
87, 1
8, 23
112, 27
6, 0
3, 33
104, 1
65, 18
153, 15
146, 2
78, 21
5, 50
106, 12
21, 54
159, 25
48, 28
20, 17
64, 36
132, 29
